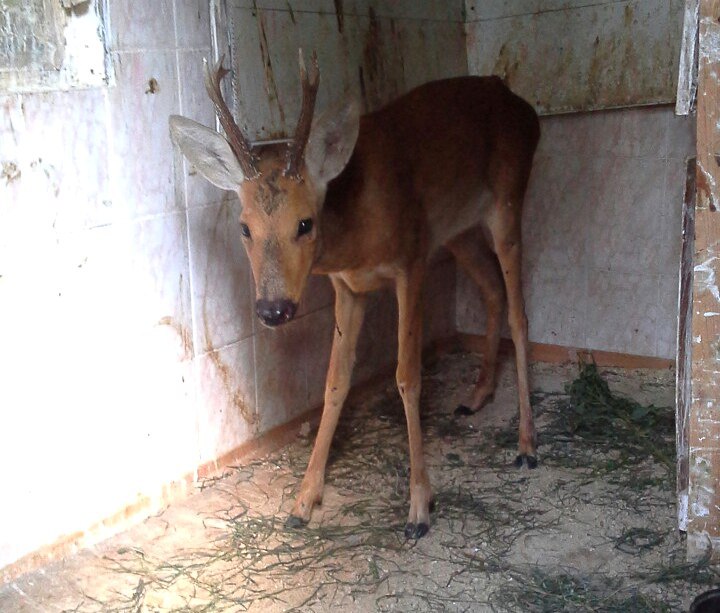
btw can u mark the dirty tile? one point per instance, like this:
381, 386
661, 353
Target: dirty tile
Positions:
590, 66
436, 10
639, 132
227, 414
561, 197
626, 224
155, 262
675, 180
318, 294
428, 50
195, 104
193, 24
405, 54
556, 303
141, 156
681, 136
670, 236
470, 310
223, 292
566, 135
439, 300
668, 315
61, 165
138, 26
322, 325
162, 425
377, 346
623, 312
281, 361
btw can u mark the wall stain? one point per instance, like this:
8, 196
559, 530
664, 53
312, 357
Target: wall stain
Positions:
270, 85
10, 172
182, 331
507, 63
292, 14
340, 15
153, 86
373, 63
234, 393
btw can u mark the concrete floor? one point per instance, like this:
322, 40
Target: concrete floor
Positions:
592, 528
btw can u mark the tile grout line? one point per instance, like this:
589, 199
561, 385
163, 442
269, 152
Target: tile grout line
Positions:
195, 397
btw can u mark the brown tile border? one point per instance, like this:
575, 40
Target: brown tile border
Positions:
557, 354
147, 505
175, 491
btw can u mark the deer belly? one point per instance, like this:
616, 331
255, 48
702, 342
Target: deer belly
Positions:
446, 220
368, 280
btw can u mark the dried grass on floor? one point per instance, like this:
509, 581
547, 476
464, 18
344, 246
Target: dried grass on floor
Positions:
592, 529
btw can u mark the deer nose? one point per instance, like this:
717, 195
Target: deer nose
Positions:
275, 312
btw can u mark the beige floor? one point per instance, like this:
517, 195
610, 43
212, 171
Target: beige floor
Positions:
591, 529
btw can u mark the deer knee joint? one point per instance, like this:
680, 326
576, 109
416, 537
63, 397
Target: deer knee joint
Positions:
409, 389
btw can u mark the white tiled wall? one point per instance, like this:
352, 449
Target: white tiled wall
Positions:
602, 232
130, 351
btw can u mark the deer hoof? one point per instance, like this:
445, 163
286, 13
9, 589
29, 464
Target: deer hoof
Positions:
529, 460
294, 522
416, 531
463, 411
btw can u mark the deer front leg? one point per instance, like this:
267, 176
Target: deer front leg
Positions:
349, 312
409, 383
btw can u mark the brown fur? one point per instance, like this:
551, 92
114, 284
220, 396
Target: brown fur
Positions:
445, 165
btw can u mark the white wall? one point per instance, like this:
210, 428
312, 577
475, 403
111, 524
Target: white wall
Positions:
575, 55
602, 232
130, 353
602, 216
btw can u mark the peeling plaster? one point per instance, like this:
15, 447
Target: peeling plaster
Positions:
710, 33
708, 283
706, 186
45, 47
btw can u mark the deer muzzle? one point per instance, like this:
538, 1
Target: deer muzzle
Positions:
275, 312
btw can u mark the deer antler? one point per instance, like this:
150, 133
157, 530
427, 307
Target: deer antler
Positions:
310, 84
238, 142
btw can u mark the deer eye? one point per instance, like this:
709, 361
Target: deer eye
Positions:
244, 230
305, 227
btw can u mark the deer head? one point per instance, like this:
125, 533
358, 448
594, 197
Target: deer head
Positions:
281, 188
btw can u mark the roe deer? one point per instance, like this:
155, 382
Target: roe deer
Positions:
367, 200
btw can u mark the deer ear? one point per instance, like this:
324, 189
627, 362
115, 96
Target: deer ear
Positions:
208, 151
332, 140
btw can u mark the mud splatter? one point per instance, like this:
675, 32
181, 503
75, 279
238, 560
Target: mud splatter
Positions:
10, 172
270, 85
153, 86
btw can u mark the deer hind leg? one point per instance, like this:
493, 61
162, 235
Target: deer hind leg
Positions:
477, 259
504, 226
408, 381
349, 313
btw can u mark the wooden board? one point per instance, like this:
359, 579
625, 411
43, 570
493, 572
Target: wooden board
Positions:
684, 345
704, 426
687, 73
